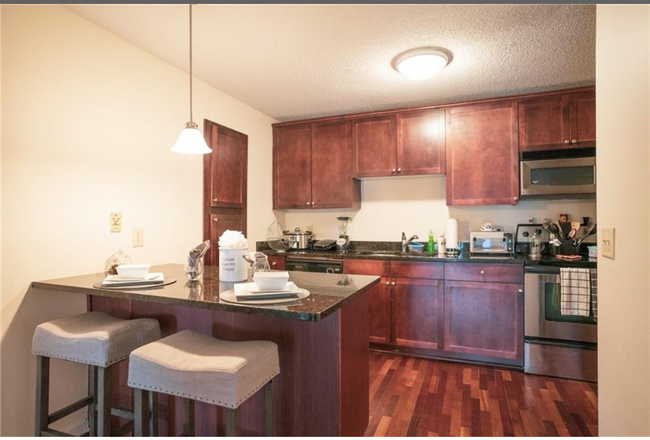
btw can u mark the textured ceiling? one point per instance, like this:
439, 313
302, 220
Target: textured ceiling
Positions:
299, 61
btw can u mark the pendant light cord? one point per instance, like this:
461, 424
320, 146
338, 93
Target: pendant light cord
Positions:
191, 116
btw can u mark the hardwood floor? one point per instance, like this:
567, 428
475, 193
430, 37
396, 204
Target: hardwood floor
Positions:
419, 397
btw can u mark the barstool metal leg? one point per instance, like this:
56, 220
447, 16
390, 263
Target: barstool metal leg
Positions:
153, 420
104, 402
141, 413
189, 421
269, 409
233, 421
92, 409
42, 394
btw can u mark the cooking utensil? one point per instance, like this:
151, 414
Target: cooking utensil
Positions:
589, 232
574, 229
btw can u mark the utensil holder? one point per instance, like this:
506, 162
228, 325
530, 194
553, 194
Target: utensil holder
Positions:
232, 266
566, 248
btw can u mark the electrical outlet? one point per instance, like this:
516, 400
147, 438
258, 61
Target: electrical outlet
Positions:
116, 222
607, 242
138, 237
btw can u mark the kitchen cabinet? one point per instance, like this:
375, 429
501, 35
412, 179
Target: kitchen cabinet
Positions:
557, 122
228, 167
482, 154
375, 144
417, 312
484, 320
421, 142
277, 262
312, 167
379, 303
400, 144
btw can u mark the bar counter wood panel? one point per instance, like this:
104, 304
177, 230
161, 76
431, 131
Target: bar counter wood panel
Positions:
323, 385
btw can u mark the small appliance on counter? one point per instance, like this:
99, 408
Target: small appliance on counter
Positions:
493, 244
300, 239
343, 242
326, 244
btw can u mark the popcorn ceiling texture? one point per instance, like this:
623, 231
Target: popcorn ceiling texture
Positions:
300, 61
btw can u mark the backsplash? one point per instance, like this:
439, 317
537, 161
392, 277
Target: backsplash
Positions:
390, 206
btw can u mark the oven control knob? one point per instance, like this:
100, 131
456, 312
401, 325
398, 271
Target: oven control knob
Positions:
538, 231
525, 234
330, 270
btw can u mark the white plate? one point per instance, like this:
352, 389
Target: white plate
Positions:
229, 296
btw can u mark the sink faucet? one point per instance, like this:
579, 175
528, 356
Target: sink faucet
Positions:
406, 242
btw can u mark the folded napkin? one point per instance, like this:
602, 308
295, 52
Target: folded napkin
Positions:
575, 291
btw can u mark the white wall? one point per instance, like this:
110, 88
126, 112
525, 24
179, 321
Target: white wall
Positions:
415, 205
88, 122
623, 132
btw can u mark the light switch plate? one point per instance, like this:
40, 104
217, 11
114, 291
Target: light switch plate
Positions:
607, 242
116, 222
138, 237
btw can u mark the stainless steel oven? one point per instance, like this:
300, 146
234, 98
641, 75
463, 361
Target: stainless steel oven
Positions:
566, 172
554, 344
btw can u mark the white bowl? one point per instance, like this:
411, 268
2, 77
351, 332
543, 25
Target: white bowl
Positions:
271, 280
133, 271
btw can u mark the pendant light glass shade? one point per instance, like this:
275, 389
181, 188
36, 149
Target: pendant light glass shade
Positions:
191, 141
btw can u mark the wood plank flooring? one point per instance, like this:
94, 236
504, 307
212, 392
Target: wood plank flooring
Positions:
419, 397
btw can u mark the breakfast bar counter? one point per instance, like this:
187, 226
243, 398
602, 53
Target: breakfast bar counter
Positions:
323, 386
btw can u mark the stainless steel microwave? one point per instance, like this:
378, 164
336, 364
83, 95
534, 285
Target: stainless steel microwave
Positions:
569, 172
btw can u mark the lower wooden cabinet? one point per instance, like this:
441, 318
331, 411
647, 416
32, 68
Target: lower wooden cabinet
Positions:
484, 319
277, 262
417, 312
379, 304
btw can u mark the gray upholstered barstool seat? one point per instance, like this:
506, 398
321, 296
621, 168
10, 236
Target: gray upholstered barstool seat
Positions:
97, 340
199, 367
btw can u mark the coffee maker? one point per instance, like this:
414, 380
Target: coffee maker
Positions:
343, 242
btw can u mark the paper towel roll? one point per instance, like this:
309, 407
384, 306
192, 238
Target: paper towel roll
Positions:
452, 233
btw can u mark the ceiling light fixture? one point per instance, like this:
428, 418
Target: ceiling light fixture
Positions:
419, 64
191, 140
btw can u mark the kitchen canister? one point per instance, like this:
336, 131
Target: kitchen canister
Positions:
232, 248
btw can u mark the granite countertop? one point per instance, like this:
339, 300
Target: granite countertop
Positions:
329, 292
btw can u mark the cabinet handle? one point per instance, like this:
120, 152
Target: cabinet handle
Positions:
521, 290
308, 203
566, 141
388, 283
482, 272
393, 283
399, 170
215, 200
274, 263
515, 198
313, 203
215, 219
574, 141
393, 171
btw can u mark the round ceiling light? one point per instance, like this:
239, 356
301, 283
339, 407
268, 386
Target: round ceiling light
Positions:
420, 63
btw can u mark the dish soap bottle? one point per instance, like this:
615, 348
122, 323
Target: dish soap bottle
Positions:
431, 246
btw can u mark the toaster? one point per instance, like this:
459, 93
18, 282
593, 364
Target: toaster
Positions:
491, 243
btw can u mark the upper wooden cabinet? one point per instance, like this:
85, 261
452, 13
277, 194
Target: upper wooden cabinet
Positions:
558, 121
482, 154
227, 167
375, 144
421, 142
312, 167
403, 144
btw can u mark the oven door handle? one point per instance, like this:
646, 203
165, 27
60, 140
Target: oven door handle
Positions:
543, 270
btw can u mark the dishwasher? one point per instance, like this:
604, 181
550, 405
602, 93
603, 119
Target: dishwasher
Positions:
314, 265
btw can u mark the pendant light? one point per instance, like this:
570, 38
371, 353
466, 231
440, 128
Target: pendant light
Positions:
191, 140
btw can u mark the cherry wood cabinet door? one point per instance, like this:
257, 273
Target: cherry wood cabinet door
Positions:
544, 123
379, 305
219, 223
375, 143
228, 167
421, 142
417, 313
482, 154
583, 119
484, 319
277, 262
292, 167
332, 183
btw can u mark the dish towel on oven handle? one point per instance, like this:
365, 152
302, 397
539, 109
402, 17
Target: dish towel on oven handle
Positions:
575, 291
594, 292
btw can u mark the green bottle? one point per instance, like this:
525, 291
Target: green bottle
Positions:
431, 246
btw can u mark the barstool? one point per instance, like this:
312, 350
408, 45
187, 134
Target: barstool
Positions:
199, 367
99, 341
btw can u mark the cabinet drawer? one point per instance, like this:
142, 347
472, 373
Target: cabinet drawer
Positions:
367, 267
490, 272
276, 262
426, 271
